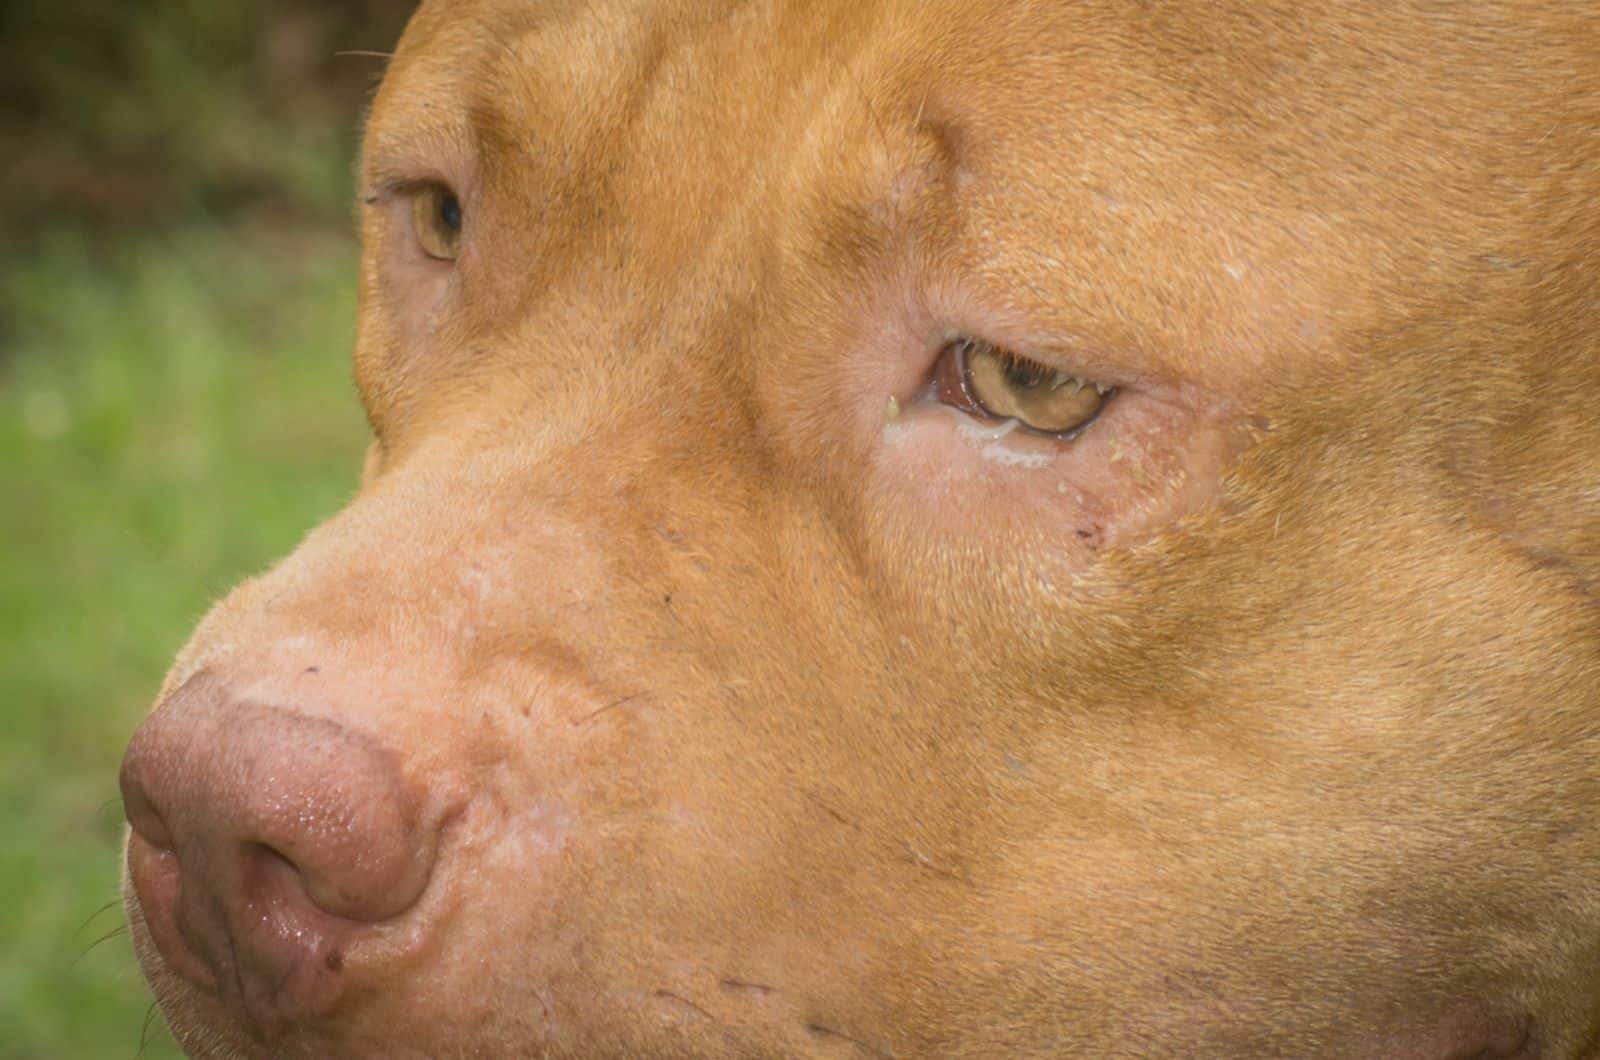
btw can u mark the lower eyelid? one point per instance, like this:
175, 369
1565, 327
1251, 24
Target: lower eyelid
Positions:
984, 427
1152, 459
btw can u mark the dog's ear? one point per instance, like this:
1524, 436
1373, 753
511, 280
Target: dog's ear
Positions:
371, 464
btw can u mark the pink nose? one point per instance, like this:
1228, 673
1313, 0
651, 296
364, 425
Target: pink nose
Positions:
266, 843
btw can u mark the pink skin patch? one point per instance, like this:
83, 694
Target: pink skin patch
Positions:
1155, 453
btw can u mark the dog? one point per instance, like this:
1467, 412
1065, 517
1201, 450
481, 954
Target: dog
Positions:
904, 529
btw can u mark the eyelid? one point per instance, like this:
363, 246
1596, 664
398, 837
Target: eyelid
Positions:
404, 187
426, 143
950, 310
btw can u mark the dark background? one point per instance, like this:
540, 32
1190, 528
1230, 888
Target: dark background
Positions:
133, 114
176, 299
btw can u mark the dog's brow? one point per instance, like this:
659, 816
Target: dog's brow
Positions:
406, 152
934, 120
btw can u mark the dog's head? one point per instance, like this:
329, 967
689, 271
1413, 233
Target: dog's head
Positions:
919, 528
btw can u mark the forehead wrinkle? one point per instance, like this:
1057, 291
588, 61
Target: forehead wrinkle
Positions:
907, 185
437, 102
573, 63
436, 147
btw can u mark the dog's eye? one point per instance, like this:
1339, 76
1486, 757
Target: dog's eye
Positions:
436, 218
979, 378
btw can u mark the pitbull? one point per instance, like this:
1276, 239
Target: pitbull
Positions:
906, 528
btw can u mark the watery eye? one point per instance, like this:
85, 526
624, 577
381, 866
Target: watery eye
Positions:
436, 218
979, 378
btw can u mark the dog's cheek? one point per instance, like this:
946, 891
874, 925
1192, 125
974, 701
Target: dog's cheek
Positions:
1146, 463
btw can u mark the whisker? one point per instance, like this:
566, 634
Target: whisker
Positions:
91, 918
144, 1031
120, 929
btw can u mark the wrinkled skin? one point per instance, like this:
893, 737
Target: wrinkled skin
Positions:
705, 705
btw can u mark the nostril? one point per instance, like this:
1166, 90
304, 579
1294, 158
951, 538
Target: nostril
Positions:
142, 816
137, 804
271, 879
349, 833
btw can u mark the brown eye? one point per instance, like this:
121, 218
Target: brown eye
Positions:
976, 377
436, 219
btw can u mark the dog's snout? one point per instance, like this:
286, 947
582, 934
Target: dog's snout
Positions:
265, 842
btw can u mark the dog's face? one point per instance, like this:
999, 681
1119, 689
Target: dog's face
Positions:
907, 528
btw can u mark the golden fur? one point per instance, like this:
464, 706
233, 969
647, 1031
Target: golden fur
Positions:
1263, 722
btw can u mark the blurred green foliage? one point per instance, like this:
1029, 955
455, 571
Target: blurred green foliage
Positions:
176, 305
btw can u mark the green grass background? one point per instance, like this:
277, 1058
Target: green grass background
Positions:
175, 412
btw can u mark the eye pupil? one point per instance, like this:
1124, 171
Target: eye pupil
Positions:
436, 221
1020, 373
450, 212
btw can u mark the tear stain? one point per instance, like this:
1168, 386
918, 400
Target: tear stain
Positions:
978, 433
1001, 454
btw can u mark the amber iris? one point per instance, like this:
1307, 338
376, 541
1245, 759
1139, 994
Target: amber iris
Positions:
436, 219
983, 379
